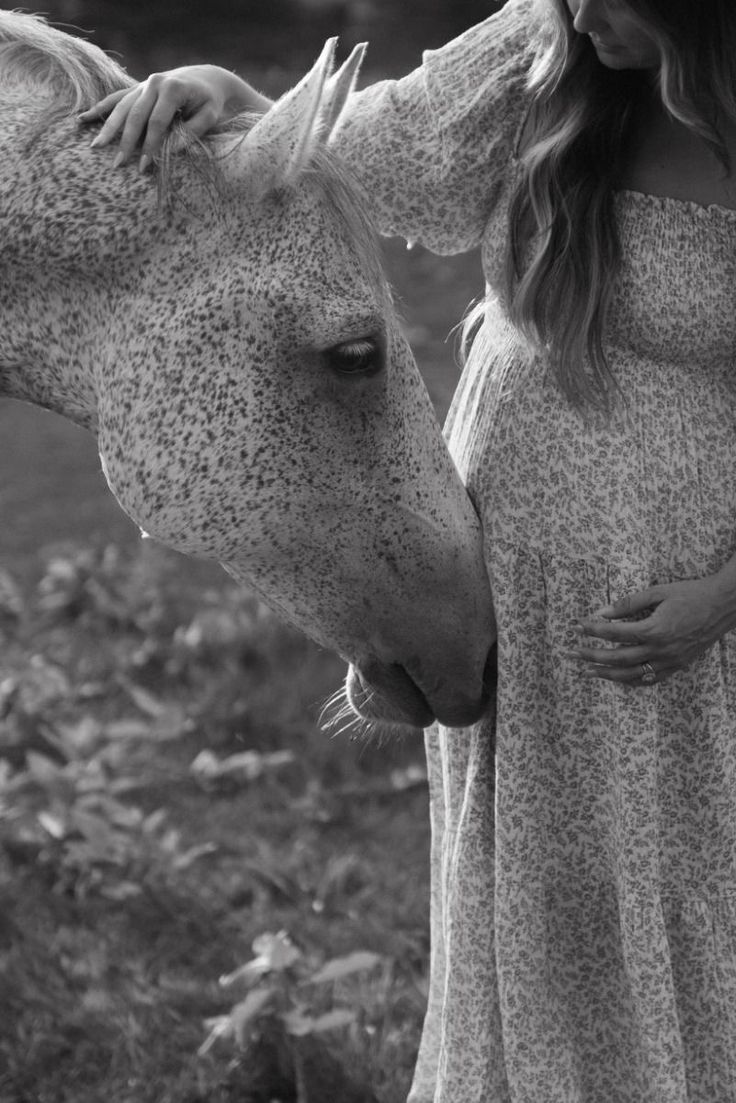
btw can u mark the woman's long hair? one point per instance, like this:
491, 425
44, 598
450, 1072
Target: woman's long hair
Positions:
564, 250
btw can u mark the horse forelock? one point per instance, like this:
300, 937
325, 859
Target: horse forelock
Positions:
345, 197
73, 72
218, 169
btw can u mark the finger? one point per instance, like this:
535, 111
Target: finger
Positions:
103, 107
628, 675
623, 632
612, 656
137, 121
631, 604
614, 674
163, 116
116, 119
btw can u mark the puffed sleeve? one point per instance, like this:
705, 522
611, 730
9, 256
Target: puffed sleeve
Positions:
433, 149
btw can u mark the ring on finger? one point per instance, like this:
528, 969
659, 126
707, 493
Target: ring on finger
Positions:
648, 674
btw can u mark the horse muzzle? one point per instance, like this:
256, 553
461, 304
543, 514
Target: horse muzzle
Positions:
385, 693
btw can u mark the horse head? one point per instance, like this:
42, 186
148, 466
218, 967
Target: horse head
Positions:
236, 349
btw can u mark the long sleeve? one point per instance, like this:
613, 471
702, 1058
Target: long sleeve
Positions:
433, 149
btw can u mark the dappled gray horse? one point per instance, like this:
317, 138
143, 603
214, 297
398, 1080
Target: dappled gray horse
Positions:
225, 328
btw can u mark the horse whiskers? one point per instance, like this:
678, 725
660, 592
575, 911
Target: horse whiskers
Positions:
337, 710
358, 727
336, 699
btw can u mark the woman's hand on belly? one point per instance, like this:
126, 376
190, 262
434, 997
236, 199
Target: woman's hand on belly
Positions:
683, 620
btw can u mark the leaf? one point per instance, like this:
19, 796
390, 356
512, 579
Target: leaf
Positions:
244, 1014
296, 1024
154, 820
271, 878
340, 967
54, 825
220, 1027
11, 599
128, 729
185, 860
299, 1025
6, 771
247, 765
79, 738
119, 815
277, 950
123, 890
43, 685
95, 829
250, 973
275, 953
169, 841
204, 765
42, 769
172, 725
144, 700
410, 778
169, 720
8, 689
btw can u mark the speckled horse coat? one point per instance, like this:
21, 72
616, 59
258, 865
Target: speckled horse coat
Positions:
224, 327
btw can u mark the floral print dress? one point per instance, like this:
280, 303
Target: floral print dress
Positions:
584, 836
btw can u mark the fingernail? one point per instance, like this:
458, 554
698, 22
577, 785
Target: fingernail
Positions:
144, 162
96, 141
119, 160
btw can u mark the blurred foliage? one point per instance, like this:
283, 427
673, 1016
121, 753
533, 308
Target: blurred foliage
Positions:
289, 1001
279, 33
167, 796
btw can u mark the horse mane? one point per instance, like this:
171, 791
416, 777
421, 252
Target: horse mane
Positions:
339, 185
73, 73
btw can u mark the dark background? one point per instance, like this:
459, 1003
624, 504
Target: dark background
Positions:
278, 33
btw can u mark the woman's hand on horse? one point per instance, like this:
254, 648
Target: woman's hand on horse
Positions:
683, 620
201, 95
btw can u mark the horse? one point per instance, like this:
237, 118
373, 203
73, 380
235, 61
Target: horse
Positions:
224, 325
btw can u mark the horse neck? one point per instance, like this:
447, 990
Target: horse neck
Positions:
49, 321
41, 362
63, 221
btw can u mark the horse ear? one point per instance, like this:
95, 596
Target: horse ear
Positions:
339, 86
284, 140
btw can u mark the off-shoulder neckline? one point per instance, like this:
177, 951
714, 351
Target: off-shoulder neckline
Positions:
671, 201
651, 198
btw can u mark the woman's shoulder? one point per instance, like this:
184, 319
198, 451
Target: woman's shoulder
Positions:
482, 76
434, 148
489, 56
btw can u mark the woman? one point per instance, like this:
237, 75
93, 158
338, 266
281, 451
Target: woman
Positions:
584, 873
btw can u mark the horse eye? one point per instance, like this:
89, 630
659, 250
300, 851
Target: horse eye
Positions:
354, 358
